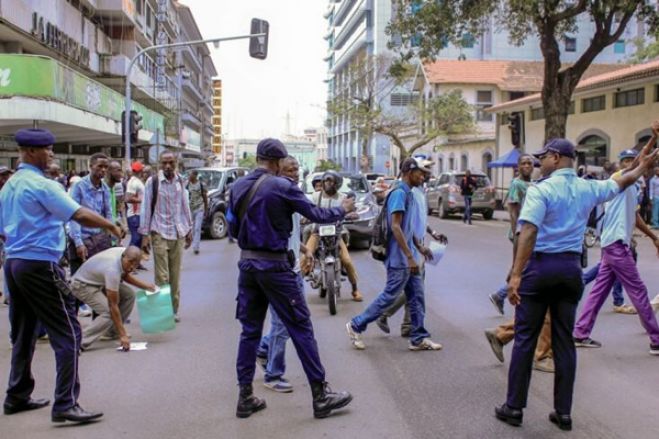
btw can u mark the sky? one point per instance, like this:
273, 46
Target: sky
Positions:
257, 95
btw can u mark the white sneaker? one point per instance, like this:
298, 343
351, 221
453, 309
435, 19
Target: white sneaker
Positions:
426, 345
655, 303
355, 338
85, 311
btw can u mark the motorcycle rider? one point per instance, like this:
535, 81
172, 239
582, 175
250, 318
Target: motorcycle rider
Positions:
330, 196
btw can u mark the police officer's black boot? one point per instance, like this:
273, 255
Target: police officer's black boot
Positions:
324, 400
247, 402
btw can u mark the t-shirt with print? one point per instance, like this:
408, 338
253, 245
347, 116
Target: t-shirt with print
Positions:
103, 269
135, 187
401, 200
196, 196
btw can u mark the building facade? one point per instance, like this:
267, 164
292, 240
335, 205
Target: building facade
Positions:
217, 119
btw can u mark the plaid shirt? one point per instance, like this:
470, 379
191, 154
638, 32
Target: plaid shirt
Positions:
172, 218
93, 198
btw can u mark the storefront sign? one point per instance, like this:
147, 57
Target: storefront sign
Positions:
53, 37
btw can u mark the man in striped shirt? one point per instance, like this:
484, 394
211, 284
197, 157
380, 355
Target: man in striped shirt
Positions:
166, 224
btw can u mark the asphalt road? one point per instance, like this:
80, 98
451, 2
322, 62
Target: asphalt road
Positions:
183, 386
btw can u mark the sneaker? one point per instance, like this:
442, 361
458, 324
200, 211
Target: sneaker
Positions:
177, 318
587, 343
196, 252
497, 302
262, 362
495, 344
280, 385
84, 311
383, 324
654, 349
544, 365
426, 345
624, 309
355, 338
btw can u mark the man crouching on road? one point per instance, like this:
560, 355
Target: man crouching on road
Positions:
102, 283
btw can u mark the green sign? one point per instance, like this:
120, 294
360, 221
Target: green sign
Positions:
44, 78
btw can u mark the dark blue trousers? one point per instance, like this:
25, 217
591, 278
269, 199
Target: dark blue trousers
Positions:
39, 293
276, 284
549, 282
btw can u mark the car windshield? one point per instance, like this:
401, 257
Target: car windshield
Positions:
354, 183
211, 178
481, 180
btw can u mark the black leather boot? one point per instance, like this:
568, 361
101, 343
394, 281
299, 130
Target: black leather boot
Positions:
324, 400
248, 403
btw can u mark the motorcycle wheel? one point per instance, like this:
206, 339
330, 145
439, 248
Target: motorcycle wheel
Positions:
331, 291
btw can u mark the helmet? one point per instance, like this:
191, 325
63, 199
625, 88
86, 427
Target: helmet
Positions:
335, 176
316, 178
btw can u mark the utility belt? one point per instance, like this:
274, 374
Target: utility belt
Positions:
287, 256
567, 255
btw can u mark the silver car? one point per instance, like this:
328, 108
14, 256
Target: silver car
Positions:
443, 195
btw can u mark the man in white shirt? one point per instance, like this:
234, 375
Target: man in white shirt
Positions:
134, 197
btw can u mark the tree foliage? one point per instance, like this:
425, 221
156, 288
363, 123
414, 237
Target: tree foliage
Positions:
431, 24
327, 165
645, 52
364, 102
247, 162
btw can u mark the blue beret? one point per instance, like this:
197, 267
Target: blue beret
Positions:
34, 137
271, 149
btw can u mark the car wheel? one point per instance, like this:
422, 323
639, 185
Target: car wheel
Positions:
488, 214
441, 212
219, 226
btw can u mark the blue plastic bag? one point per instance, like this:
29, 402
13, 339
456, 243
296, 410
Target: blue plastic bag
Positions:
155, 310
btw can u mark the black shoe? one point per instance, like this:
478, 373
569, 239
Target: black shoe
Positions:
508, 415
324, 400
75, 414
30, 404
564, 422
248, 404
383, 324
497, 302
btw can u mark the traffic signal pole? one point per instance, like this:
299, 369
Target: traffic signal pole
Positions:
128, 102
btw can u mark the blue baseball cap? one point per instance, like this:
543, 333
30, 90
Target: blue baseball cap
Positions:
271, 149
34, 137
628, 154
557, 146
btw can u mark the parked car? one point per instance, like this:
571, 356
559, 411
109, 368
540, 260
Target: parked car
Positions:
372, 177
217, 182
443, 195
360, 230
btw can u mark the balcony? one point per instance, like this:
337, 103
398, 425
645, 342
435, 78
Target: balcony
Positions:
192, 88
116, 11
343, 11
191, 54
191, 119
348, 30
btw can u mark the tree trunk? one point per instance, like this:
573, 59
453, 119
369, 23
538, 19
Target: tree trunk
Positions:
556, 105
364, 161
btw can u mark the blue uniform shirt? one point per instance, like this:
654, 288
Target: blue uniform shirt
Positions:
619, 217
33, 210
559, 207
419, 214
269, 216
93, 198
401, 199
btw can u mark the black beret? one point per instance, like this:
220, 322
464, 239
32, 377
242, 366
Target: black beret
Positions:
34, 137
271, 149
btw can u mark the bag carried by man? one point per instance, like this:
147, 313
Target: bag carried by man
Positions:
382, 229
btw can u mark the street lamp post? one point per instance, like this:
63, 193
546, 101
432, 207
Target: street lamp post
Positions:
128, 103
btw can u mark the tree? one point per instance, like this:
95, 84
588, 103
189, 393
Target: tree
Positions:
327, 165
363, 102
645, 52
247, 162
431, 25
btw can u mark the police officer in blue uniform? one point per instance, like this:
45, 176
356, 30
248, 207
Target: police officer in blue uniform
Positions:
546, 272
33, 211
261, 209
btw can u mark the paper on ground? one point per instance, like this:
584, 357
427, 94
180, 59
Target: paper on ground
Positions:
138, 346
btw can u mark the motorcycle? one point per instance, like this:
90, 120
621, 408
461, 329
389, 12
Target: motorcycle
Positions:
326, 275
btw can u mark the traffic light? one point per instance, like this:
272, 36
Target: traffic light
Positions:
258, 46
515, 125
135, 126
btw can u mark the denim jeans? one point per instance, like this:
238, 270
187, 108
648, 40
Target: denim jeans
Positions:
590, 275
197, 221
133, 225
502, 292
412, 284
467, 215
655, 212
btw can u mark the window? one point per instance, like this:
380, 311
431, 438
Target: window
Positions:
619, 47
537, 113
451, 163
403, 99
570, 44
483, 101
629, 98
598, 103
464, 162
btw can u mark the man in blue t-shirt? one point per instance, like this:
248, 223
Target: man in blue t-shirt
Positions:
405, 251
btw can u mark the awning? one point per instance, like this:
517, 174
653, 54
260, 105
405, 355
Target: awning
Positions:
506, 161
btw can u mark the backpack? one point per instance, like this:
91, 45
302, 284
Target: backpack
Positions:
381, 234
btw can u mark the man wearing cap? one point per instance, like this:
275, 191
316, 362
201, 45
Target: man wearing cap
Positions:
620, 216
33, 211
260, 217
403, 263
134, 197
166, 224
546, 272
5, 174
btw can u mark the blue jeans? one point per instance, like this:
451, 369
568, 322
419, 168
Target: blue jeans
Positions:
133, 225
502, 292
467, 216
655, 212
197, 220
273, 347
590, 275
412, 284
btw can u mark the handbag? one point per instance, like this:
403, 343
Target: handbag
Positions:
155, 310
